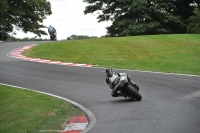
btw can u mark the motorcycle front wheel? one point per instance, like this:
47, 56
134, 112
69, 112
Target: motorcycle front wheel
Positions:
134, 94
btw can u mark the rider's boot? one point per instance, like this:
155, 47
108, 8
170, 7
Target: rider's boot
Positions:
133, 84
137, 87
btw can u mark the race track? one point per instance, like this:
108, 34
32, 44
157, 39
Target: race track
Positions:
170, 104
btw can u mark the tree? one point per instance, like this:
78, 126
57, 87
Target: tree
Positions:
185, 9
194, 22
139, 17
28, 15
4, 8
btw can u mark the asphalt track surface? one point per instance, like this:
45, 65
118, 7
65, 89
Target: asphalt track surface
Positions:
170, 104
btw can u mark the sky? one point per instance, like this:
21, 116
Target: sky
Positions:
68, 19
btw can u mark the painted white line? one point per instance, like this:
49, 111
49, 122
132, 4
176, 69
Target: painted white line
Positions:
76, 126
63, 63
33, 59
68, 63
54, 62
77, 64
42, 61
87, 66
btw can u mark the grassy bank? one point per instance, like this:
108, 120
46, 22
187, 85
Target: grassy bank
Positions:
166, 53
24, 111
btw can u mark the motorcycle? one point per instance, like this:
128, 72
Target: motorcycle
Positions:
125, 86
52, 33
53, 36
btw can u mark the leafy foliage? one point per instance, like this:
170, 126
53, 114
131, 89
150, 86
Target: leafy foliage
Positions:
141, 17
28, 15
194, 25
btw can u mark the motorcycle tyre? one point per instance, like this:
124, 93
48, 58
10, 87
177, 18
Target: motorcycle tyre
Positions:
53, 39
134, 94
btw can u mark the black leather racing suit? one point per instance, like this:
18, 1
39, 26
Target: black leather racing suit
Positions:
111, 83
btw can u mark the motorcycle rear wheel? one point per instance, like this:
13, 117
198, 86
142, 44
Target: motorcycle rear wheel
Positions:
134, 94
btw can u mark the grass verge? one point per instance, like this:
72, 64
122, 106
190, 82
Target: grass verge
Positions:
166, 53
25, 111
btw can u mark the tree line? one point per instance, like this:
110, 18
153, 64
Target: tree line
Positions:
144, 17
128, 17
11, 38
14, 39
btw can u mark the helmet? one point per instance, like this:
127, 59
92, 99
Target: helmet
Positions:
109, 72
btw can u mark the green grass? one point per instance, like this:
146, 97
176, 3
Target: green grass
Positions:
24, 111
166, 53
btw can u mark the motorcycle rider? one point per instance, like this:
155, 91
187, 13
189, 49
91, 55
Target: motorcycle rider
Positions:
52, 32
112, 80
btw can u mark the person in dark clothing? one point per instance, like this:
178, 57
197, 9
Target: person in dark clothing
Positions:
111, 80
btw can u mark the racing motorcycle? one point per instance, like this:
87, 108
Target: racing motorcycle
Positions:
123, 85
53, 36
52, 33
